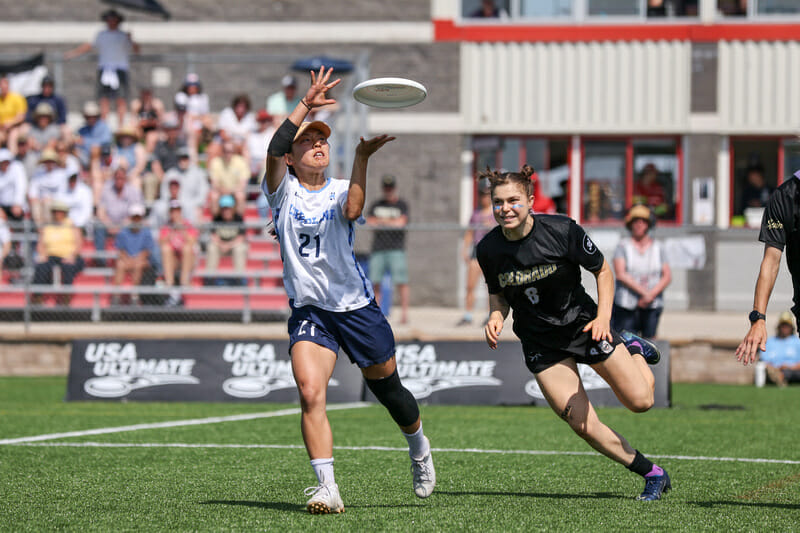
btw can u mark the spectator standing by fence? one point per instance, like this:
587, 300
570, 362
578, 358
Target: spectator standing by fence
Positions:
389, 216
782, 356
642, 274
113, 47
481, 221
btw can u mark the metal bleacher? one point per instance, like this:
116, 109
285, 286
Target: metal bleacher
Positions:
255, 294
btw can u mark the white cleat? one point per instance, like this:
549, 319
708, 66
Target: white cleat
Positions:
324, 499
424, 475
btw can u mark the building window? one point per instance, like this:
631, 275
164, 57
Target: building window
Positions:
777, 7
548, 156
732, 8
477, 10
545, 8
754, 173
620, 173
485, 9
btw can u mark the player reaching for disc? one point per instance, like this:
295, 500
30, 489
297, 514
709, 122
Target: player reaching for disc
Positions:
331, 298
532, 265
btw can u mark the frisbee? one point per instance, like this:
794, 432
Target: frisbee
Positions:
389, 92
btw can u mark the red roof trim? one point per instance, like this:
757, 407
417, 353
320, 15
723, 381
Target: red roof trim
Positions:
447, 30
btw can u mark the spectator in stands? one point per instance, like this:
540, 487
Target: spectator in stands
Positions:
193, 187
113, 47
13, 109
390, 216
756, 192
198, 108
92, 135
229, 173
234, 124
149, 112
281, 103
13, 186
116, 199
481, 221
227, 238
135, 248
49, 96
159, 214
5, 241
66, 156
649, 191
642, 274
165, 157
43, 132
59, 245
178, 243
257, 142
127, 147
45, 184
782, 356
28, 158
78, 196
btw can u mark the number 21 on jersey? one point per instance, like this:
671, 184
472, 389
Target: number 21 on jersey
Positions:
305, 240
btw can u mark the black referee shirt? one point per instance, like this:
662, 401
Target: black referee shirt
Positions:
540, 278
780, 227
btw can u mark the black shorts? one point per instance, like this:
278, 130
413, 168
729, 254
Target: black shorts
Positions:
582, 348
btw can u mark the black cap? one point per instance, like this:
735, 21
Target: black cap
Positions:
48, 79
388, 180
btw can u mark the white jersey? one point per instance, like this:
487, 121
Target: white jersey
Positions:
319, 265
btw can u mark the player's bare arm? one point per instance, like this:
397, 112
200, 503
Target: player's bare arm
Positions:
358, 178
601, 325
756, 338
498, 311
282, 140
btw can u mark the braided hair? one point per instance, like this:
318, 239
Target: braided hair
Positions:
497, 177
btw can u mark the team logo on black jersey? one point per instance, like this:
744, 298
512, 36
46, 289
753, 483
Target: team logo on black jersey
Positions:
774, 224
588, 245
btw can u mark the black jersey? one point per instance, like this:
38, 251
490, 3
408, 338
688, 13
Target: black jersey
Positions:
539, 276
780, 227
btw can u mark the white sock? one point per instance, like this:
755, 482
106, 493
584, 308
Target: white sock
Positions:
418, 445
323, 468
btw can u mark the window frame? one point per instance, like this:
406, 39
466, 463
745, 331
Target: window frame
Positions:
629, 141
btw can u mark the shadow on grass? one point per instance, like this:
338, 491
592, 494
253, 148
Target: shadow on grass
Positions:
553, 496
739, 503
299, 508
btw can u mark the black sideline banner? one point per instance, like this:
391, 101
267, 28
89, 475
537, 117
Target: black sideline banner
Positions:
445, 372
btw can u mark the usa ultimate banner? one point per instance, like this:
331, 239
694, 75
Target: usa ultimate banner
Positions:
439, 372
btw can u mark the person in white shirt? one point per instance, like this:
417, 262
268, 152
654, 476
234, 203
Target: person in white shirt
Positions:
45, 184
332, 301
78, 196
13, 185
114, 48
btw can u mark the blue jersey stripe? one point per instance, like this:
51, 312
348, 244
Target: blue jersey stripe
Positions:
350, 237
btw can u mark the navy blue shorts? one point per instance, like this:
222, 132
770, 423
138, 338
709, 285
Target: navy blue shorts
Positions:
364, 334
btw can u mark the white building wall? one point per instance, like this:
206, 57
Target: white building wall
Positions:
587, 88
757, 87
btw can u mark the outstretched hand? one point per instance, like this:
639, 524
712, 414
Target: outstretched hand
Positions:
366, 148
755, 340
316, 94
492, 330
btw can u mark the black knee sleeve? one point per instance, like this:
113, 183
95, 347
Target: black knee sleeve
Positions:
397, 399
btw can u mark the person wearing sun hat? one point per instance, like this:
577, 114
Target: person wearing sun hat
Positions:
782, 356
45, 184
43, 132
113, 47
332, 302
642, 273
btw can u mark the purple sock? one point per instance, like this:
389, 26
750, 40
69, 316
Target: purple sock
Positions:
656, 471
637, 347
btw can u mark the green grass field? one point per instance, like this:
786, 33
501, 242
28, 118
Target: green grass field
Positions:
215, 482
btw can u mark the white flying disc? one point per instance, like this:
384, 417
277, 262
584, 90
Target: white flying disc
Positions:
389, 92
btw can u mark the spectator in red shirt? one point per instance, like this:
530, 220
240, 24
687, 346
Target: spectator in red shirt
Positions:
647, 190
178, 242
541, 202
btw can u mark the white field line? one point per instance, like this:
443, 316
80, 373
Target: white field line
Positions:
174, 423
389, 449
